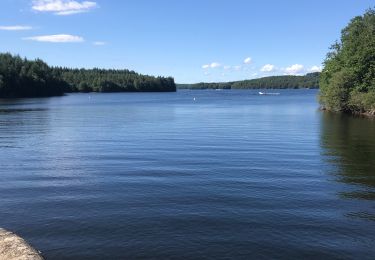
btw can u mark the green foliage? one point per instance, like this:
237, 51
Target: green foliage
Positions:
100, 80
363, 101
310, 80
24, 78
348, 79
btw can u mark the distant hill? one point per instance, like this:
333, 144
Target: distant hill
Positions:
310, 80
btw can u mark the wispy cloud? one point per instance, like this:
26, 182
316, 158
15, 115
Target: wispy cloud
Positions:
295, 69
248, 60
268, 68
212, 65
56, 38
16, 28
63, 7
99, 43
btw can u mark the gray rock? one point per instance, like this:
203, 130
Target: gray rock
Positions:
13, 247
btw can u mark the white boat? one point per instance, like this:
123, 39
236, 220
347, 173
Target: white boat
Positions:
265, 93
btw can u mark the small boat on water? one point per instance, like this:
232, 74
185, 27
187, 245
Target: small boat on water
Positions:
268, 93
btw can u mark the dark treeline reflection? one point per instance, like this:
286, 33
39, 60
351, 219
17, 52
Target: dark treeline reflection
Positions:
349, 143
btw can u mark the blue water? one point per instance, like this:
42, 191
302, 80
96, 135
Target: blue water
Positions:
231, 174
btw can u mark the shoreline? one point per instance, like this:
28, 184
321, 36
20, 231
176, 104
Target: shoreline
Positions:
13, 247
368, 114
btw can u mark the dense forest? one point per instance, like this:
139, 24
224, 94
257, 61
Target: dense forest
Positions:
348, 79
310, 80
100, 80
25, 78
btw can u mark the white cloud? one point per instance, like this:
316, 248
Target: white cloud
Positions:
238, 67
295, 69
213, 65
268, 68
56, 38
63, 7
15, 28
99, 43
227, 67
316, 69
247, 60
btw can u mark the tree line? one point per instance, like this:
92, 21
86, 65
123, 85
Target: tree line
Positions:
310, 80
348, 78
20, 77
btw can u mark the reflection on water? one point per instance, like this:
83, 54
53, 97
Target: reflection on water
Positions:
22, 119
349, 143
4, 111
187, 175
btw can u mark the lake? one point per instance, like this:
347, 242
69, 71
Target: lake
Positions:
194, 174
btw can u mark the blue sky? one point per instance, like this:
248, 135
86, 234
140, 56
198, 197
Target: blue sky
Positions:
191, 40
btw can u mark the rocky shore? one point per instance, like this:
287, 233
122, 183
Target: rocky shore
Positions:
13, 247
